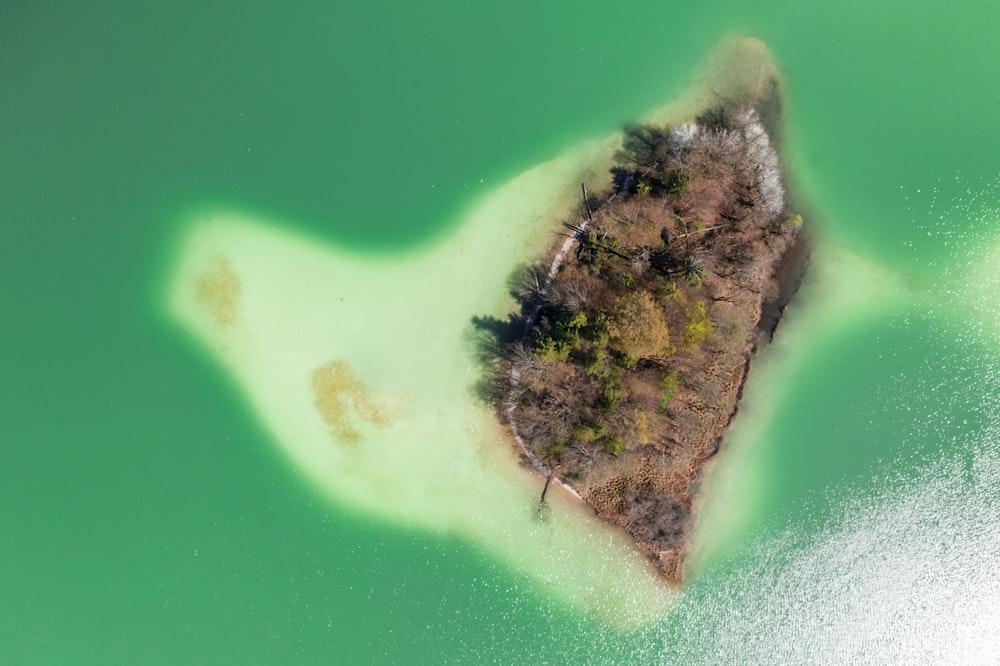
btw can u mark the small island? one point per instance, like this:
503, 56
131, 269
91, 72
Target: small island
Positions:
626, 361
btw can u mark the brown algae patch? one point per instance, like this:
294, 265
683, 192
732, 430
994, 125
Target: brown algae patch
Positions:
345, 402
218, 288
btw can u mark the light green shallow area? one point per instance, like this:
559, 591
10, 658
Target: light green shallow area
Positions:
152, 510
398, 334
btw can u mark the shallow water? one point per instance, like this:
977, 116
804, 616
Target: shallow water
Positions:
151, 515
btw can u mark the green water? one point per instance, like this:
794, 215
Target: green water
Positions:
148, 518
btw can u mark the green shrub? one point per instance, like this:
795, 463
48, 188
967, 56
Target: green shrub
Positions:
693, 270
577, 321
590, 434
626, 361
670, 383
670, 291
612, 391
595, 364
698, 328
680, 183
600, 338
550, 350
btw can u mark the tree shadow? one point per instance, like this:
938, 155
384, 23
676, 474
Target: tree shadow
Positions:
771, 108
490, 338
524, 284
643, 146
624, 179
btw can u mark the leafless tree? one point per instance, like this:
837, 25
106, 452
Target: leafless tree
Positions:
763, 161
572, 294
532, 373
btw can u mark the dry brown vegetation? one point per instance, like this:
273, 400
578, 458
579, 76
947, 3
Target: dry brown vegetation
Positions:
218, 289
345, 402
634, 366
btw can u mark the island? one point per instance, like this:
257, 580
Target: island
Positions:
321, 341
625, 360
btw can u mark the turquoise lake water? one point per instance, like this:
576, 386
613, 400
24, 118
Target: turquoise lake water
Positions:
148, 518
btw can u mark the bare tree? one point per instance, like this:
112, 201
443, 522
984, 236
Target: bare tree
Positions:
763, 161
572, 294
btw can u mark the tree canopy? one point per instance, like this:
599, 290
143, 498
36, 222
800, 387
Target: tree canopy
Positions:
638, 327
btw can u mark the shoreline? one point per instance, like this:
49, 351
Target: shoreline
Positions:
558, 258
